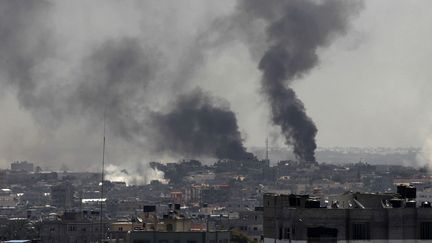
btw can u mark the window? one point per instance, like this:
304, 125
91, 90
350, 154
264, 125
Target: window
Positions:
163, 241
191, 241
169, 227
361, 231
426, 231
294, 201
72, 228
322, 234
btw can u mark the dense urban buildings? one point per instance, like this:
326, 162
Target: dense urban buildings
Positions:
240, 201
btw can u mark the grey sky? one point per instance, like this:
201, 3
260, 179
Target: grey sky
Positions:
371, 88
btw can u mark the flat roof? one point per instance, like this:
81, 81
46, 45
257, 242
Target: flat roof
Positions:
17, 241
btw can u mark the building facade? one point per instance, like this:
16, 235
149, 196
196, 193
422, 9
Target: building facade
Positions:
385, 218
22, 166
179, 237
62, 195
74, 227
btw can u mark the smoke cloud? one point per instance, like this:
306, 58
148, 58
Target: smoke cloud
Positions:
114, 79
24, 44
138, 175
122, 78
142, 85
199, 125
294, 31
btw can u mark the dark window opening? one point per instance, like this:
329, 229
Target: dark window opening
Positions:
322, 234
426, 231
169, 228
361, 231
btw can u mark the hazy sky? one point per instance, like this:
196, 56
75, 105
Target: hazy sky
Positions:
371, 88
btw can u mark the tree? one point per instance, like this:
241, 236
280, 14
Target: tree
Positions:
239, 237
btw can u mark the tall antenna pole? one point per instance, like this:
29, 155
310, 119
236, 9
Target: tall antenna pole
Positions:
102, 177
267, 149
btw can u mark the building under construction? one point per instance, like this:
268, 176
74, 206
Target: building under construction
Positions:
351, 217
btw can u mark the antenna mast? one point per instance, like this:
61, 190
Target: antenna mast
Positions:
102, 177
267, 149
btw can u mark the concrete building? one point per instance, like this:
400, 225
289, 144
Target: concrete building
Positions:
3, 176
73, 227
62, 195
180, 237
215, 194
353, 217
250, 223
171, 228
7, 198
424, 196
22, 166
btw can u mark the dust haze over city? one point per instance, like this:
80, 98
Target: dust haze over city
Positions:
192, 102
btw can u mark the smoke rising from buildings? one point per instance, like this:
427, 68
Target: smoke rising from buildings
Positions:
128, 77
294, 32
117, 75
199, 125
137, 175
424, 157
46, 50
121, 77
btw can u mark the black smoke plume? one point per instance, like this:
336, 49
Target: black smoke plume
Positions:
197, 125
116, 77
295, 29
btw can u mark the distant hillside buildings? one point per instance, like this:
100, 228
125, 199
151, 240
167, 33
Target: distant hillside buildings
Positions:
23, 166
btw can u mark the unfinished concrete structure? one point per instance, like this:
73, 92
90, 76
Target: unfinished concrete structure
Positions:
351, 217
